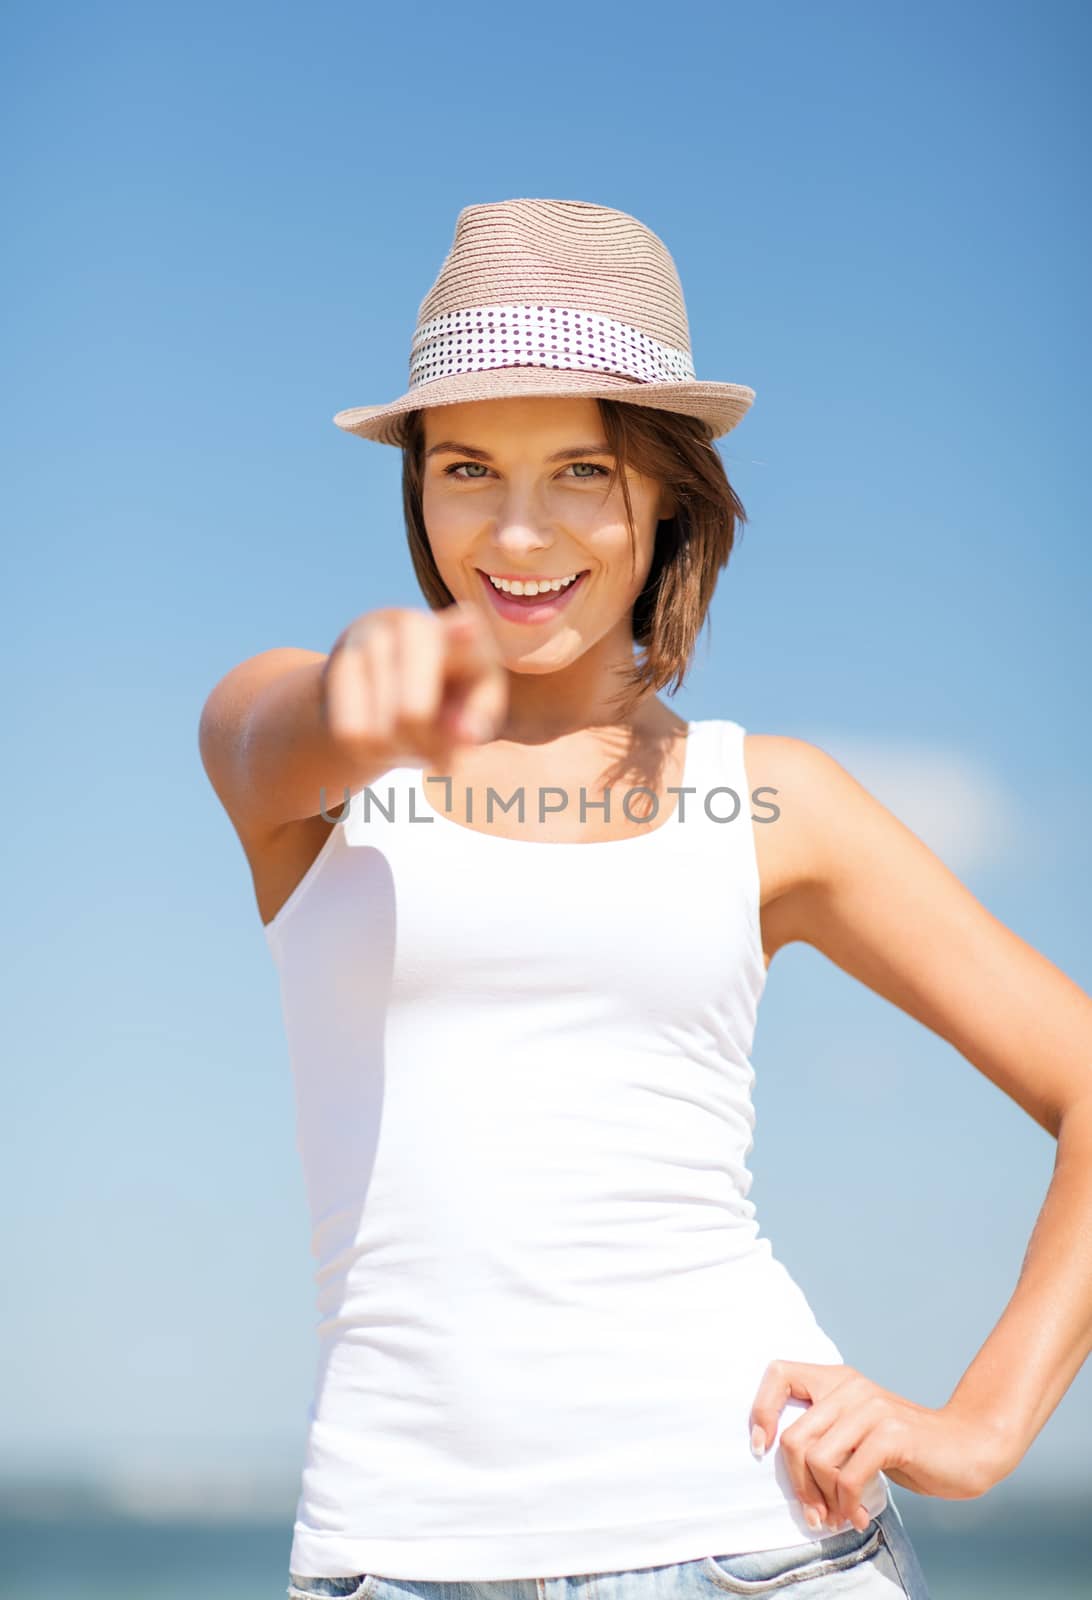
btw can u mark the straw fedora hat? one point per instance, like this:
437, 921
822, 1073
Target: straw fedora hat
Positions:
553, 297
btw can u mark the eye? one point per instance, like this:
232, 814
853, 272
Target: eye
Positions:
456, 468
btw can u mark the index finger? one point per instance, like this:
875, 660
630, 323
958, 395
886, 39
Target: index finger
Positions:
472, 651
476, 686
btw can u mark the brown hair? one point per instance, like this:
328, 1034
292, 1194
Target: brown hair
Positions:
691, 547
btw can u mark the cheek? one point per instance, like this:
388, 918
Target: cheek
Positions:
449, 525
603, 522
614, 547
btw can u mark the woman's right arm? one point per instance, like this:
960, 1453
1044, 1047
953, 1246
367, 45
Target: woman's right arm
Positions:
286, 733
266, 747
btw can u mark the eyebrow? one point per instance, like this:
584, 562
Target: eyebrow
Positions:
574, 453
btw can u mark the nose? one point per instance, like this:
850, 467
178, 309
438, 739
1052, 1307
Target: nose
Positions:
521, 529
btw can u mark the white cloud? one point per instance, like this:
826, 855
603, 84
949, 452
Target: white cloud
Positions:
963, 811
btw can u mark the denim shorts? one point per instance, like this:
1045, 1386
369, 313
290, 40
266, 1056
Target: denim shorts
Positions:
878, 1564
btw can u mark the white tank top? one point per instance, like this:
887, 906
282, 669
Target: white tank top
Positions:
523, 1092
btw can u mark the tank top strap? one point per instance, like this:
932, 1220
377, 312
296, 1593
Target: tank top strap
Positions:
383, 810
717, 792
722, 835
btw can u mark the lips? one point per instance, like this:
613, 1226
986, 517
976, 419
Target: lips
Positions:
531, 608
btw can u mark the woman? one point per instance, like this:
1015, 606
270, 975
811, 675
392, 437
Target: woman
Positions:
520, 980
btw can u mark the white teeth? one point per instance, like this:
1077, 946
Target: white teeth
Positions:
530, 585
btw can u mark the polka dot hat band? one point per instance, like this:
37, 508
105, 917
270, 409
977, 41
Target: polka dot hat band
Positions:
553, 297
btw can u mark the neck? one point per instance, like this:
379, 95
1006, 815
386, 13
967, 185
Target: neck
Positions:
545, 705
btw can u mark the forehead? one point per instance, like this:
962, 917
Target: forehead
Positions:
527, 421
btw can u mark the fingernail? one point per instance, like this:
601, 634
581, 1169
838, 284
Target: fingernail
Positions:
758, 1442
812, 1517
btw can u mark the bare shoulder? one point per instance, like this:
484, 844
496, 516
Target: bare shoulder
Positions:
805, 807
798, 791
278, 852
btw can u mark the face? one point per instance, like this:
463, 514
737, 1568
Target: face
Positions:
517, 489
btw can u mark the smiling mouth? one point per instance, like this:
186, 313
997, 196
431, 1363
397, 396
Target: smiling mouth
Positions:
544, 586
544, 603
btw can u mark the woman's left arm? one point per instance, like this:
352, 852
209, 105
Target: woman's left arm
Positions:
868, 893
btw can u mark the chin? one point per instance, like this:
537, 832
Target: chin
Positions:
539, 661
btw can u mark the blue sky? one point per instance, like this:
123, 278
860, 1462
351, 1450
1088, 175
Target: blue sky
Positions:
224, 222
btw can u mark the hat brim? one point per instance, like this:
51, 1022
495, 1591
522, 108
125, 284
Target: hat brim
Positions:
720, 405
